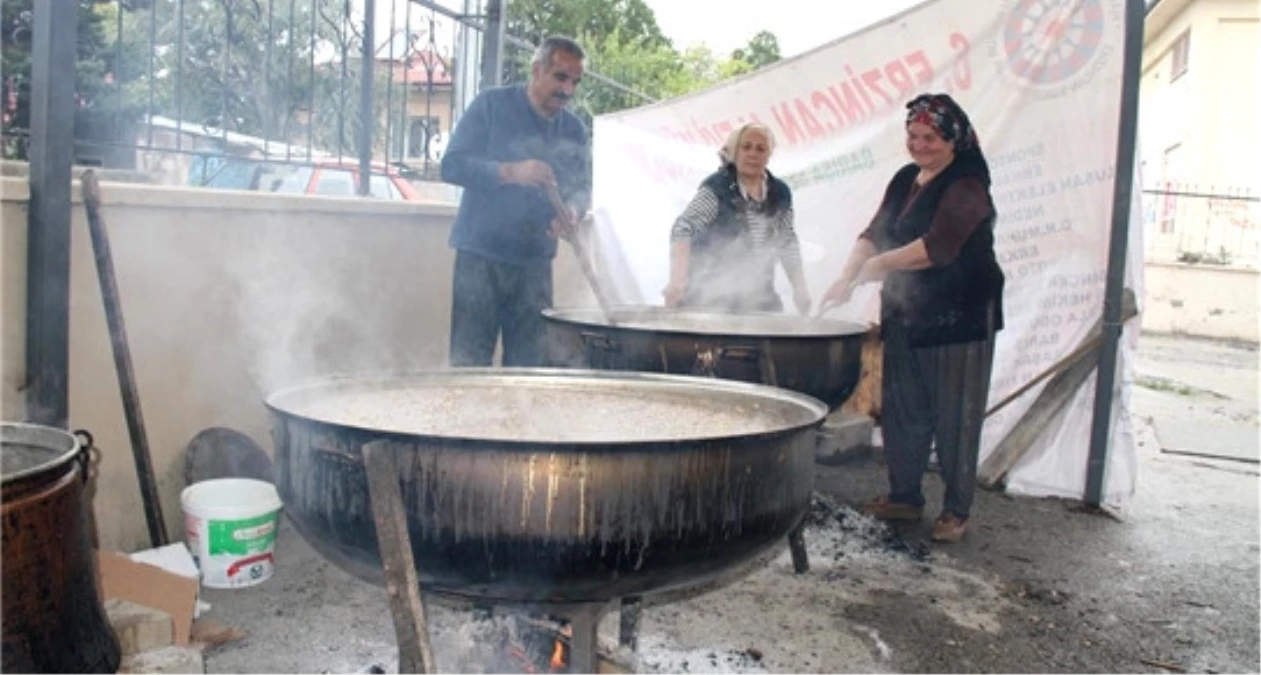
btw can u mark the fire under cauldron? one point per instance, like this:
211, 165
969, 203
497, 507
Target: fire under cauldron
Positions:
819, 357
559, 489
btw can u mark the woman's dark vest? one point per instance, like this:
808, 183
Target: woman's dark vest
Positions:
725, 250
960, 302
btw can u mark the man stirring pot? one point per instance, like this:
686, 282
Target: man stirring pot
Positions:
510, 148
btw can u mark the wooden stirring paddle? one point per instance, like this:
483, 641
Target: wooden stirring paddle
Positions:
580, 252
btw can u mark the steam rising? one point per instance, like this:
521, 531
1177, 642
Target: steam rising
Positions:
312, 297
726, 277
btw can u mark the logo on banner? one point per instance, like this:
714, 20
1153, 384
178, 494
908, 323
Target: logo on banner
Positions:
1055, 46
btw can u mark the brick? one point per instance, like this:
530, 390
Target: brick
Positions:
844, 433
139, 628
171, 660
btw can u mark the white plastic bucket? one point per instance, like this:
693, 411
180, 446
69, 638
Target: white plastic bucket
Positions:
230, 525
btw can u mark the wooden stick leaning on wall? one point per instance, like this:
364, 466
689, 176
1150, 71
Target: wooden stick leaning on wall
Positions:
1069, 374
123, 365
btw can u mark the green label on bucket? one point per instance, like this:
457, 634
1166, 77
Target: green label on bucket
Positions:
241, 537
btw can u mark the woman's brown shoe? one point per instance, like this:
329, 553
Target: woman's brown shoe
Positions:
949, 529
883, 509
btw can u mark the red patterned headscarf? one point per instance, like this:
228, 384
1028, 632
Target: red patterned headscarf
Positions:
940, 112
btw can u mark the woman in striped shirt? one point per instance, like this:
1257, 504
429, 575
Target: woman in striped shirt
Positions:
724, 246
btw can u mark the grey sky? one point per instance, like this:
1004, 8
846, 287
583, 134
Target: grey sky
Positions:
800, 25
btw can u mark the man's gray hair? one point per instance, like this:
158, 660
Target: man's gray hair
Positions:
556, 43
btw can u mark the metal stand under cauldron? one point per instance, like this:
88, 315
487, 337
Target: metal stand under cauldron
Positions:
402, 585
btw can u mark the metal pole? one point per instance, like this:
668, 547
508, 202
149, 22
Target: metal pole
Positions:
493, 47
366, 121
469, 51
1122, 195
48, 235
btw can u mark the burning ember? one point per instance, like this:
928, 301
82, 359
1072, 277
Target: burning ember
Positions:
559, 662
540, 646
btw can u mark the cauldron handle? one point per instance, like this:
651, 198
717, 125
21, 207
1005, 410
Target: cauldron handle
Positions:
89, 460
89, 454
402, 583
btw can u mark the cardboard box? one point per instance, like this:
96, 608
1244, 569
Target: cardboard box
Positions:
150, 586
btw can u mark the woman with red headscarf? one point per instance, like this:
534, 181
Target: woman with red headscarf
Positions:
932, 244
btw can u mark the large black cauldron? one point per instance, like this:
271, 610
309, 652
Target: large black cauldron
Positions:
550, 486
818, 357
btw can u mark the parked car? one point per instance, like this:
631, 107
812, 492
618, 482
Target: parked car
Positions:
333, 177
340, 179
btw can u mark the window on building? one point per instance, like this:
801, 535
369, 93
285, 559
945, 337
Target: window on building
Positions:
1179, 55
419, 132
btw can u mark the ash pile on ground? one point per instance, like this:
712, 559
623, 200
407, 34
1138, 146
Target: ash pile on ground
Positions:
840, 532
774, 620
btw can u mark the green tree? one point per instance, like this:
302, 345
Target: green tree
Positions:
651, 70
227, 64
762, 50
632, 20
623, 27
93, 60
625, 44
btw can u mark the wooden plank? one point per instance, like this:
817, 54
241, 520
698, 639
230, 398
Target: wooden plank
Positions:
120, 346
865, 400
1070, 374
402, 583
1050, 403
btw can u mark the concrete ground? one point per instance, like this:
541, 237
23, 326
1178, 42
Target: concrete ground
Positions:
1170, 583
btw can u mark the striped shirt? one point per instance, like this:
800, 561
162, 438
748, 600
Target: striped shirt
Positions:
768, 232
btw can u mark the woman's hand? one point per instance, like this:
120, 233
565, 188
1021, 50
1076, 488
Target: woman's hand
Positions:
674, 292
837, 294
801, 298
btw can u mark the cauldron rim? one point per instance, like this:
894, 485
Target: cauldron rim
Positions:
593, 318
63, 448
817, 409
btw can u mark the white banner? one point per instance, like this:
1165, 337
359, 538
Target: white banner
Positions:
1041, 80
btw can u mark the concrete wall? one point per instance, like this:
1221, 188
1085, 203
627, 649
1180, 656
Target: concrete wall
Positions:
227, 296
1216, 302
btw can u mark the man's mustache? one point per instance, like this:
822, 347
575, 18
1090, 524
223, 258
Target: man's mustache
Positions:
561, 96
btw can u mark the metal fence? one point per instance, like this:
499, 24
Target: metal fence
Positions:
1203, 225
246, 93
